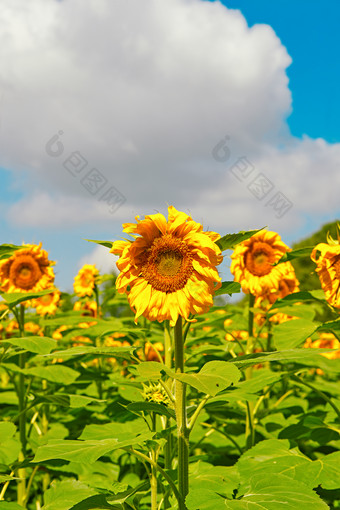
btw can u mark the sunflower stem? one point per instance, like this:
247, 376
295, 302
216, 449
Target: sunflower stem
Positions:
168, 447
153, 475
21, 488
250, 426
181, 417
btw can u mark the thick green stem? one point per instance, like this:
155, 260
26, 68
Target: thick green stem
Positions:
21, 488
250, 427
153, 476
181, 416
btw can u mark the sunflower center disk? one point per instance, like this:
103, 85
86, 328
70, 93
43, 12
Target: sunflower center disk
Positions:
25, 272
168, 265
260, 259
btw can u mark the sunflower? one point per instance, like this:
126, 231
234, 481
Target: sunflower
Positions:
327, 259
252, 263
27, 270
47, 304
85, 280
88, 308
168, 270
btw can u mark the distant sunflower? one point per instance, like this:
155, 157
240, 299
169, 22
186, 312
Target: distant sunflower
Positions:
252, 263
327, 259
168, 270
47, 304
27, 270
85, 280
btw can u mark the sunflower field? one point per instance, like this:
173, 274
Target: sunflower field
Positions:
147, 390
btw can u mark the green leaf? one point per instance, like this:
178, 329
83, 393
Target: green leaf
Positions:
229, 241
329, 468
14, 298
36, 344
266, 493
259, 380
7, 430
65, 494
66, 400
287, 356
295, 297
147, 407
214, 377
294, 254
54, 373
228, 288
330, 326
274, 456
84, 451
107, 244
110, 352
290, 334
273, 492
9, 397
153, 370
7, 250
9, 451
6, 505
221, 479
119, 431
6, 478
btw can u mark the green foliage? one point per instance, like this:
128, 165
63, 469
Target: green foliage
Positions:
77, 388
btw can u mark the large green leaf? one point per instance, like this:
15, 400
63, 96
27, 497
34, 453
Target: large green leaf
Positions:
36, 344
153, 370
120, 431
214, 377
65, 494
221, 479
84, 451
329, 471
7, 505
14, 298
270, 492
7, 430
296, 297
286, 356
110, 352
9, 451
295, 254
228, 288
54, 373
229, 241
7, 250
290, 334
274, 456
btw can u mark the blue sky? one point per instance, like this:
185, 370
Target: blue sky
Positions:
144, 94
310, 32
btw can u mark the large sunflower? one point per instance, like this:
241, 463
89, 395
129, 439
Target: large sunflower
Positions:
252, 263
168, 270
327, 259
85, 280
27, 270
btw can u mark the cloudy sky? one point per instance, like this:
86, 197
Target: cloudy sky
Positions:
112, 108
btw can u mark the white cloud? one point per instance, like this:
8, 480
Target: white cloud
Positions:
102, 258
144, 91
